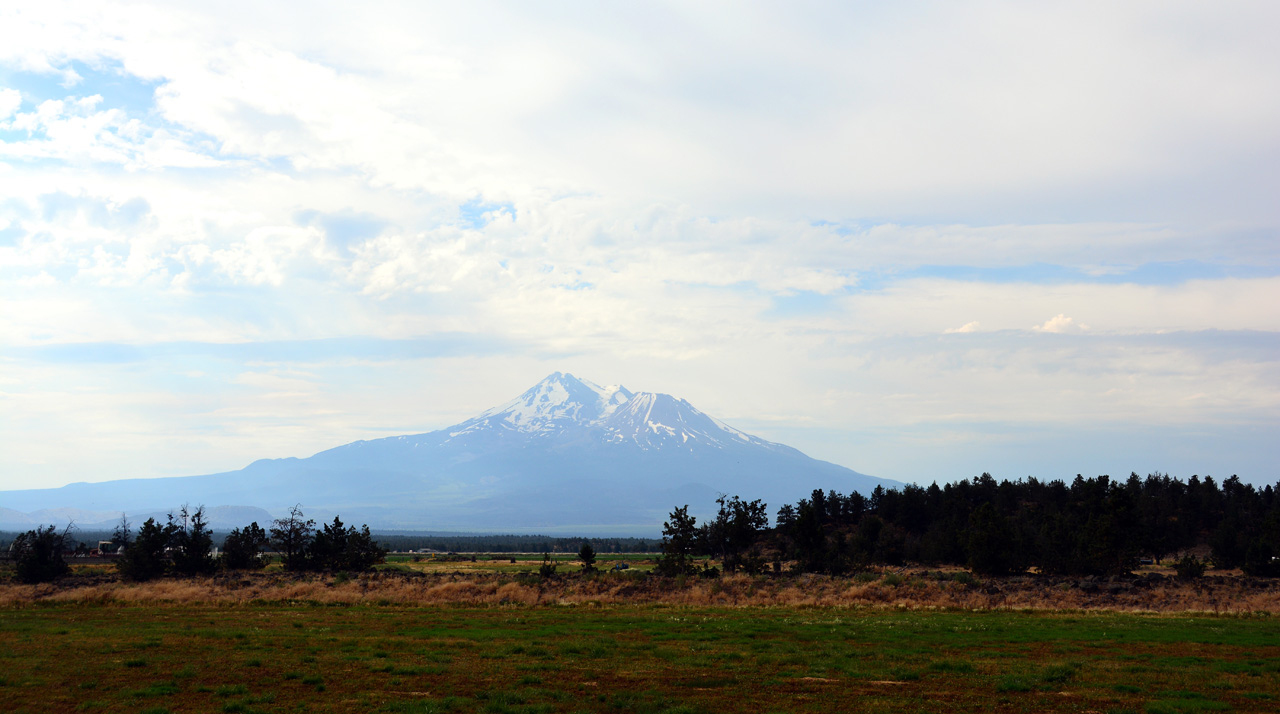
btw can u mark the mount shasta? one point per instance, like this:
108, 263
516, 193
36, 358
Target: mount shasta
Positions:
567, 456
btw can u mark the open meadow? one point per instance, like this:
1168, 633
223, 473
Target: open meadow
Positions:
399, 641
301, 657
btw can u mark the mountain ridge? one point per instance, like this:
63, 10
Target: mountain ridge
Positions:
566, 455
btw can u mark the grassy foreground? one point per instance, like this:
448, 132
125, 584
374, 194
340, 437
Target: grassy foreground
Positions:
281, 657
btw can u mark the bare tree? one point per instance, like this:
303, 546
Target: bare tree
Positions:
123, 534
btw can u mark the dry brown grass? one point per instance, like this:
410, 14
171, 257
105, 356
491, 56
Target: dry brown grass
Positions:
918, 591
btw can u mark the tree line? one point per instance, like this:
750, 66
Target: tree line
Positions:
183, 545
1092, 526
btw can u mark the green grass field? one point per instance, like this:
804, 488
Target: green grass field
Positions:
307, 657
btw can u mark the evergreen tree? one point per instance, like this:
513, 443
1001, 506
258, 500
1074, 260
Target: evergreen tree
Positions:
862, 546
809, 535
587, 555
363, 552
242, 549
1262, 556
990, 542
37, 555
336, 547
192, 543
328, 549
1229, 543
735, 530
679, 541
144, 558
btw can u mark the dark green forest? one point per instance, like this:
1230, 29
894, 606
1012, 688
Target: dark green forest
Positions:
1092, 526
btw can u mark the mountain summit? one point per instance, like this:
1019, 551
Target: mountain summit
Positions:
559, 403
565, 456
564, 407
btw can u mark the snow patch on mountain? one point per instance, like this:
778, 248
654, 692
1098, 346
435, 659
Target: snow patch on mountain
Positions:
655, 421
563, 406
559, 402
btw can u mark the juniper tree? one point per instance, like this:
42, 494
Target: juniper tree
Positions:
192, 543
144, 558
38, 555
679, 541
587, 555
337, 547
242, 548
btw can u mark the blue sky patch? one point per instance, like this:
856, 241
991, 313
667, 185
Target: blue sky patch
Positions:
473, 212
343, 229
118, 88
97, 211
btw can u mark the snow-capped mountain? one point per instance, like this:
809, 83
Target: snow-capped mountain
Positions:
553, 405
563, 405
568, 455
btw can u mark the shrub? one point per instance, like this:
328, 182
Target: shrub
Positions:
965, 578
1190, 567
548, 568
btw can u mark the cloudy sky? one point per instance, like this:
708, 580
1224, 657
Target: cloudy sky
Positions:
922, 240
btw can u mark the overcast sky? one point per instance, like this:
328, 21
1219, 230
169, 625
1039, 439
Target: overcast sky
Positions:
921, 240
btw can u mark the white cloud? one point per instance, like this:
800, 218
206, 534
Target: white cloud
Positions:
1060, 323
682, 197
10, 101
897, 108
